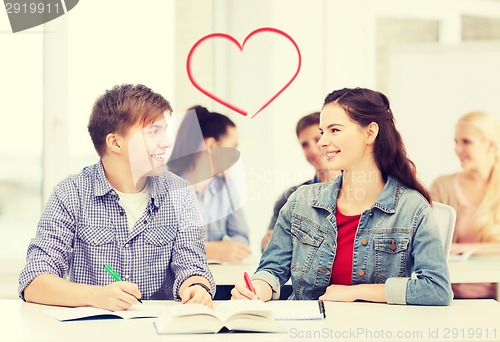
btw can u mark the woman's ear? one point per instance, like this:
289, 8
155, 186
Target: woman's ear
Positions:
493, 147
113, 142
371, 132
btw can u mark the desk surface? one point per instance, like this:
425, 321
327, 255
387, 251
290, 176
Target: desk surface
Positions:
476, 269
463, 320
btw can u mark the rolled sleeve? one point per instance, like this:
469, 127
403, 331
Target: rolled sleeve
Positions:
189, 255
275, 263
48, 252
271, 280
395, 290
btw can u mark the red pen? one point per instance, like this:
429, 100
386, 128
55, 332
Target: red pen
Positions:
248, 282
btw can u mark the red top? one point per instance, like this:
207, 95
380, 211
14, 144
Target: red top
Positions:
342, 264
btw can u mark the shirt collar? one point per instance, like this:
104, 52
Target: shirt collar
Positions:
159, 188
158, 185
101, 184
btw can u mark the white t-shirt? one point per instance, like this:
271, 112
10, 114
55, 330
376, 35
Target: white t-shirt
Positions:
134, 204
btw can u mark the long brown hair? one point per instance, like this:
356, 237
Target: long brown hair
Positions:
365, 106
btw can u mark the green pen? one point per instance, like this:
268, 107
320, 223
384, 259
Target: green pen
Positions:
116, 276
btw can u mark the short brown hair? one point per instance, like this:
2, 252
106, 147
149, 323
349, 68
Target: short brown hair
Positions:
121, 107
307, 121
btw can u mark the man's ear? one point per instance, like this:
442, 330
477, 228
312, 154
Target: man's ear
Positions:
210, 142
371, 132
113, 142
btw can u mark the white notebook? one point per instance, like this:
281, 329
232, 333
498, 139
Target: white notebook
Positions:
285, 310
136, 311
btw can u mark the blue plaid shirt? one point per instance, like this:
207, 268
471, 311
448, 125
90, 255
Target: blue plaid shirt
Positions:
83, 228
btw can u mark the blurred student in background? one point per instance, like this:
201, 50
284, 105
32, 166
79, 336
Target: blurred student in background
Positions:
474, 192
308, 134
202, 159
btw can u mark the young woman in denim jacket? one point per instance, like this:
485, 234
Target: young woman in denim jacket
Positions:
370, 234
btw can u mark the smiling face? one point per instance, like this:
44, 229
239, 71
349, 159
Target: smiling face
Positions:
146, 147
345, 143
474, 151
308, 139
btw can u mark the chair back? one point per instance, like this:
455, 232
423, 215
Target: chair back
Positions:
445, 217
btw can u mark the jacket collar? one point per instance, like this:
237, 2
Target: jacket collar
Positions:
387, 200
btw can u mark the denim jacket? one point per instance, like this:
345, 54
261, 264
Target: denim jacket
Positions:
397, 243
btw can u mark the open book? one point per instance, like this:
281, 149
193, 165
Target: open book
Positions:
136, 311
240, 315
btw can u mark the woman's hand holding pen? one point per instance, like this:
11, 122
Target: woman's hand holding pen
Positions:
262, 291
116, 296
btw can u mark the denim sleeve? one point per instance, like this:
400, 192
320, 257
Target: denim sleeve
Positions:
276, 210
430, 284
50, 250
274, 266
189, 257
237, 228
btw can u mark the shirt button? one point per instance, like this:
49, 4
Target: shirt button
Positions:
127, 276
364, 241
94, 241
371, 214
127, 245
361, 272
161, 241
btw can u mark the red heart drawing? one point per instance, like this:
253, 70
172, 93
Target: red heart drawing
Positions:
234, 41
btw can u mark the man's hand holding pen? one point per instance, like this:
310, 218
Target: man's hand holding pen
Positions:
116, 296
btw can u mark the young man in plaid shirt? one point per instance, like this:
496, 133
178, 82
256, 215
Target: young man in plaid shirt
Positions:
125, 211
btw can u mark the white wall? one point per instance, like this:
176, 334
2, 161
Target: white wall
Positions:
431, 87
272, 157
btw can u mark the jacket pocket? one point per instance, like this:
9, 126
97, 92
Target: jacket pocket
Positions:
391, 254
306, 240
